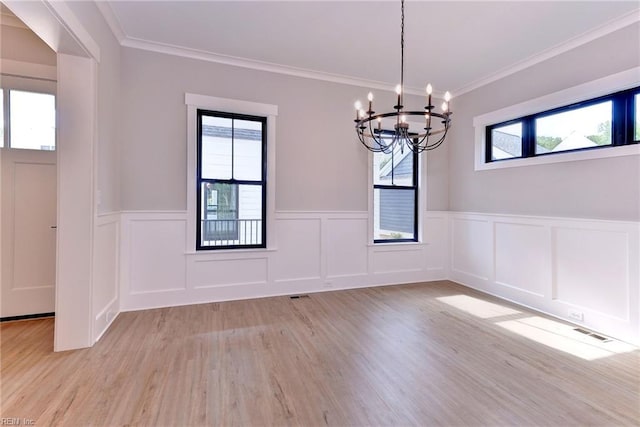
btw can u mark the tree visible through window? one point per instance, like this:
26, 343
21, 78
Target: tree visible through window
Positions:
231, 180
591, 124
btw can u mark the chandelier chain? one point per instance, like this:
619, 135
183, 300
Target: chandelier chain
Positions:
401, 51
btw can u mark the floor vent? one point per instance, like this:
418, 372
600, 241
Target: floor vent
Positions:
591, 334
298, 296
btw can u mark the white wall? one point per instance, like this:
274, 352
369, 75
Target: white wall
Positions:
108, 137
601, 188
321, 191
320, 164
555, 236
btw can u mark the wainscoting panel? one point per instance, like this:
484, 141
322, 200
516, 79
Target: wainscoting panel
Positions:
396, 259
346, 247
298, 254
583, 271
522, 257
106, 252
436, 236
472, 246
208, 273
314, 252
157, 255
592, 270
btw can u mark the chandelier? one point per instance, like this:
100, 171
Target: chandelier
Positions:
375, 137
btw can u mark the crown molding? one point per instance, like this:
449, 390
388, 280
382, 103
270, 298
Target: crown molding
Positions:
112, 20
202, 55
110, 17
584, 38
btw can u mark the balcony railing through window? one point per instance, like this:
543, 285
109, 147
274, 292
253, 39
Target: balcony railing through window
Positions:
231, 232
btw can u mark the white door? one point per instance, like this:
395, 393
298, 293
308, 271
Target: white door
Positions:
28, 233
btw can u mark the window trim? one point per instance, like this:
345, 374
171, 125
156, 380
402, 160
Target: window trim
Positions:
262, 182
618, 82
621, 129
204, 102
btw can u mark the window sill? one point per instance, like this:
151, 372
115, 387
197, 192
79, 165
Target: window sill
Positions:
396, 245
240, 252
600, 153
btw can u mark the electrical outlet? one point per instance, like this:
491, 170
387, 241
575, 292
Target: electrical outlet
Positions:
576, 315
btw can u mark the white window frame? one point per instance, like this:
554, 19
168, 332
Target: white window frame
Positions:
204, 102
593, 89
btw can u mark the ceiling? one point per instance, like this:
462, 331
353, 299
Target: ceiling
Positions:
454, 45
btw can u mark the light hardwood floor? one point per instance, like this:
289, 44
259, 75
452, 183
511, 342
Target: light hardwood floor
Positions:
425, 354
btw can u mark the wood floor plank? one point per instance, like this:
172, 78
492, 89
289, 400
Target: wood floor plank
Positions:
420, 354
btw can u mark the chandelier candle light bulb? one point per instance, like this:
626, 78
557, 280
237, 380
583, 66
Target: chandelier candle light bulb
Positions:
388, 140
358, 106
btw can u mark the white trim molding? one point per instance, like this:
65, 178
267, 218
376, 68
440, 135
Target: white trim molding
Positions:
616, 82
270, 111
559, 266
317, 251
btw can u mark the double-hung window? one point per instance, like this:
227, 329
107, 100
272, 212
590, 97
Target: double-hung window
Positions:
231, 180
395, 196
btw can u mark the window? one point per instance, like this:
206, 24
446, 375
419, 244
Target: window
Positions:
395, 196
28, 119
636, 108
506, 141
601, 122
231, 180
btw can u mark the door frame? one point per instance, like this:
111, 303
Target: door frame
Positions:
77, 118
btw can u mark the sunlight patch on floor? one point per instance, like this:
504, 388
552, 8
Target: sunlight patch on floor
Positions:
563, 337
477, 307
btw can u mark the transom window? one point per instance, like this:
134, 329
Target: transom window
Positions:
231, 181
395, 196
28, 120
607, 121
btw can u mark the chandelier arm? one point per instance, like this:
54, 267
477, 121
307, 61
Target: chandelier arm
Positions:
363, 137
436, 144
376, 138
